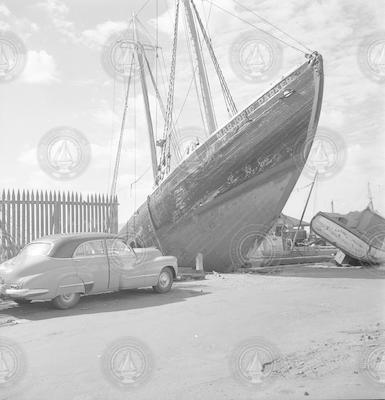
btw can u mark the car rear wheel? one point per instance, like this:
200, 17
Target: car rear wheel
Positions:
165, 281
65, 301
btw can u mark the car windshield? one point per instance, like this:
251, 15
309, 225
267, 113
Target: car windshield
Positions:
36, 249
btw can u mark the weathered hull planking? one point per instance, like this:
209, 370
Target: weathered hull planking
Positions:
359, 235
240, 177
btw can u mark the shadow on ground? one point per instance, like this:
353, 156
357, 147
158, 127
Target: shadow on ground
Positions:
321, 271
102, 303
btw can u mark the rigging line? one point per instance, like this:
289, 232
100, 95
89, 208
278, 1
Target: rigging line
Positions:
156, 64
185, 99
274, 26
230, 105
134, 143
140, 177
122, 128
194, 70
112, 134
206, 17
143, 6
146, 30
161, 105
256, 27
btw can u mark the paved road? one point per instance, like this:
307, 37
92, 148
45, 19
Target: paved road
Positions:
319, 322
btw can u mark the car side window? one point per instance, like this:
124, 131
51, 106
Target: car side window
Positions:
118, 247
91, 248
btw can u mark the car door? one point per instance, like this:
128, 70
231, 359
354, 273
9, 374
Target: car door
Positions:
91, 262
125, 271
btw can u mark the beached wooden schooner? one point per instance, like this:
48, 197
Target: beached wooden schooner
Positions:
243, 173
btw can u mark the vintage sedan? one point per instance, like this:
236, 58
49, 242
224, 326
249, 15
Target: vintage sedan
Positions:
61, 268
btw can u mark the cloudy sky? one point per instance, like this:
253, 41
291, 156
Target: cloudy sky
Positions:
64, 83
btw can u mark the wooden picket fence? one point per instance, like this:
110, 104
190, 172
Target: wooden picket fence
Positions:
28, 215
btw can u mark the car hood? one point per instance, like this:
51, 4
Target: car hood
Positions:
146, 254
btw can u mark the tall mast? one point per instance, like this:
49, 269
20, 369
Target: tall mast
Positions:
206, 95
139, 53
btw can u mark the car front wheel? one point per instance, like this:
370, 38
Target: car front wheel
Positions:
65, 301
165, 281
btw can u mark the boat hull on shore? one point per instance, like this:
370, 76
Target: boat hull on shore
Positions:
359, 235
235, 184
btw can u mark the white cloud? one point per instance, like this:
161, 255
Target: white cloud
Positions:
4, 10
58, 12
40, 68
99, 35
28, 157
56, 7
23, 26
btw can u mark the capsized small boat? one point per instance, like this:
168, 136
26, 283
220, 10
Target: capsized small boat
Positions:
239, 179
359, 234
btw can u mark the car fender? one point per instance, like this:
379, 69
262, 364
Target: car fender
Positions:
166, 261
70, 283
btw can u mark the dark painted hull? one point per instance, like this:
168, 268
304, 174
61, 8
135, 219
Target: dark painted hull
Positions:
240, 177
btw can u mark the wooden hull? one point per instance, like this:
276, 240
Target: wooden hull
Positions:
366, 246
241, 176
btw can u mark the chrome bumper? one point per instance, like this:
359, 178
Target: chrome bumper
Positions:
21, 293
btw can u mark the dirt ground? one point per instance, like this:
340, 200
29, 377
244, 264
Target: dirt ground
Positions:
320, 322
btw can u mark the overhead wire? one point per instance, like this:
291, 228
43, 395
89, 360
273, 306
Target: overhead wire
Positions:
256, 27
274, 26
